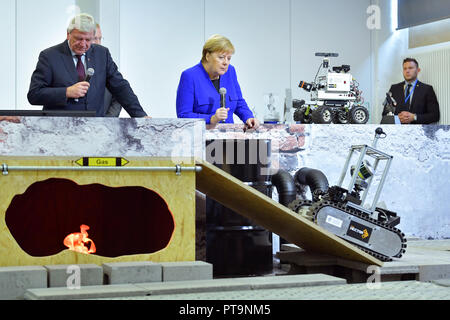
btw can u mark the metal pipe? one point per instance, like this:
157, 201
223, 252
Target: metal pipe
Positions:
177, 169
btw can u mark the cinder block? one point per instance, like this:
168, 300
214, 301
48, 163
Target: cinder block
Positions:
74, 275
179, 271
434, 272
132, 272
14, 281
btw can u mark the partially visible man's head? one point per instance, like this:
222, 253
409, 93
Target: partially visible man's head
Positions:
410, 69
81, 32
98, 35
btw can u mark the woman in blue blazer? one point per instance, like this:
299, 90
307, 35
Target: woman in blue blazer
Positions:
198, 92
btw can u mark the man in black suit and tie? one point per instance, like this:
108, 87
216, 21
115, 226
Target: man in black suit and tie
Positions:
59, 81
416, 101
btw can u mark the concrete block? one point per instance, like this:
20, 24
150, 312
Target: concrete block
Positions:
190, 270
74, 275
213, 286
443, 282
237, 284
193, 286
14, 281
90, 292
293, 281
132, 272
434, 272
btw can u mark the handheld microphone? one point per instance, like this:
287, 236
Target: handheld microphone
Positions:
223, 93
89, 74
391, 99
389, 105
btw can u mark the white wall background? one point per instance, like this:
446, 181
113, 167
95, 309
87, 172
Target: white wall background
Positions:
153, 41
7, 54
40, 24
391, 47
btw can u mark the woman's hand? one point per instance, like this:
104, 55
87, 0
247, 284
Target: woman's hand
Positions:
252, 123
221, 115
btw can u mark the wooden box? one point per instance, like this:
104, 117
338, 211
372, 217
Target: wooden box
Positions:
133, 214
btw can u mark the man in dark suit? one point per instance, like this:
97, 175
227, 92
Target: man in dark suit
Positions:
112, 106
416, 101
58, 83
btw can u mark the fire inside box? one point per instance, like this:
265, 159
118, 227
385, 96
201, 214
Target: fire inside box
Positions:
65, 217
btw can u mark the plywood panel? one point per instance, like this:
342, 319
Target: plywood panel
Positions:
271, 215
177, 191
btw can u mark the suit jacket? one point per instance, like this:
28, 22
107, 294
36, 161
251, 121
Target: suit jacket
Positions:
424, 102
112, 106
198, 98
55, 71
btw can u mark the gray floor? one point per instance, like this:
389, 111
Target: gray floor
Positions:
427, 262
404, 290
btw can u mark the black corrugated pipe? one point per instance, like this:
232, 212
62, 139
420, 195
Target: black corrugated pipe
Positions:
315, 179
285, 185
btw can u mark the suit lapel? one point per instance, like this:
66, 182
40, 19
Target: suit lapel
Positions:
90, 58
67, 59
90, 64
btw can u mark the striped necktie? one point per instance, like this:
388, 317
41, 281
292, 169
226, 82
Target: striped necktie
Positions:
408, 91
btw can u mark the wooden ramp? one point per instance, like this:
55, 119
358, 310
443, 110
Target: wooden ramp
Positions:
264, 211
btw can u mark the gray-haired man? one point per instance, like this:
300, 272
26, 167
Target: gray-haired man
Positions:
58, 83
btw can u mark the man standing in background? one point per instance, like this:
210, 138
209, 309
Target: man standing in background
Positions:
416, 101
112, 106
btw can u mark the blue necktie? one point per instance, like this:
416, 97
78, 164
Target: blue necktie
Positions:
408, 91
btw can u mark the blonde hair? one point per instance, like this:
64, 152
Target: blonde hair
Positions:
217, 43
82, 22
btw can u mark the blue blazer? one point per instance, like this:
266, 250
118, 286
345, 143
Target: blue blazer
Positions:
198, 98
55, 71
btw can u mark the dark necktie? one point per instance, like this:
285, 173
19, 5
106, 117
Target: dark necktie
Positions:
80, 69
408, 91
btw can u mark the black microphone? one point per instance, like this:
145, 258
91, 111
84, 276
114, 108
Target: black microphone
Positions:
391, 99
89, 74
389, 105
223, 104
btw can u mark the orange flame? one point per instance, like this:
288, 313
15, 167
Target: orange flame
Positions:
79, 242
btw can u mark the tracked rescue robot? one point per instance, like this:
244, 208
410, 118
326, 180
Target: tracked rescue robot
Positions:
335, 96
344, 212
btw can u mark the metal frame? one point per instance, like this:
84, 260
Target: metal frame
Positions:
366, 150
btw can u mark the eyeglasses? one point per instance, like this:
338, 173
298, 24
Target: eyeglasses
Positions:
99, 38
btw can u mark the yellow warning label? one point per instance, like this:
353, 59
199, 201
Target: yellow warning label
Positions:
102, 162
365, 234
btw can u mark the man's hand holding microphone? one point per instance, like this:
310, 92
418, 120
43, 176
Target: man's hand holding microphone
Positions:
80, 89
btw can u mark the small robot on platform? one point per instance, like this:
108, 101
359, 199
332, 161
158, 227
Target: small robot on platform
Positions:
335, 97
346, 212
